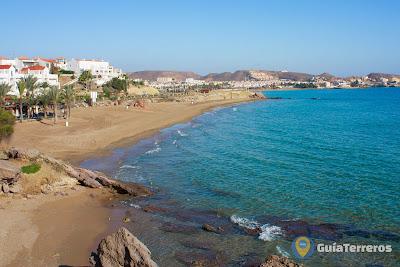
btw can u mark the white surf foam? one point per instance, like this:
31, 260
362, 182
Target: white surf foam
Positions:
268, 232
155, 150
134, 206
244, 222
128, 167
181, 133
283, 252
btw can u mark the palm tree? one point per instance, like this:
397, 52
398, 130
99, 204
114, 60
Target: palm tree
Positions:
44, 97
21, 90
4, 90
31, 86
45, 100
54, 94
69, 97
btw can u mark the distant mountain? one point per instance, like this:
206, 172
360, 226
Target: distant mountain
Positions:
153, 75
327, 76
377, 76
239, 75
242, 75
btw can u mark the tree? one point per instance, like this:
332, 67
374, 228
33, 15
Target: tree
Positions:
69, 97
31, 86
86, 78
54, 94
21, 90
4, 90
7, 121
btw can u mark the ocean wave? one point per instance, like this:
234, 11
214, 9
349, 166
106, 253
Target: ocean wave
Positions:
128, 167
268, 232
283, 252
244, 222
181, 133
234, 109
155, 150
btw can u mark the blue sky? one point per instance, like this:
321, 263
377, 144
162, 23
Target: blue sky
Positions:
340, 37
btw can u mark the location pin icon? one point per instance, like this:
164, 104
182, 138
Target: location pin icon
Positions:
303, 246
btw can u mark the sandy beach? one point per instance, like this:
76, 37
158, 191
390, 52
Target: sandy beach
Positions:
96, 130
52, 230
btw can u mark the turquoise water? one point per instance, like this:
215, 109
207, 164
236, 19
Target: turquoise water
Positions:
314, 156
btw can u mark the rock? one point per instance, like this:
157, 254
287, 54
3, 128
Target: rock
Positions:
126, 220
15, 188
20, 153
5, 188
205, 258
152, 208
258, 95
9, 172
85, 177
123, 249
178, 228
209, 228
278, 261
3, 155
46, 189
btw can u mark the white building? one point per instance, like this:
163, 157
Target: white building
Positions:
10, 75
7, 61
101, 70
165, 79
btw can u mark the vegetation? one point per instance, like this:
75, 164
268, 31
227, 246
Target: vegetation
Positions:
7, 121
354, 83
31, 85
304, 85
61, 71
115, 87
86, 79
21, 90
4, 90
69, 97
54, 94
31, 168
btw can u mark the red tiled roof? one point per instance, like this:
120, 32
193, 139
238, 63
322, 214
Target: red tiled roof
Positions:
47, 60
23, 58
36, 67
5, 67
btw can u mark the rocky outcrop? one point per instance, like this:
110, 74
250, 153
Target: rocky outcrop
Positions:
277, 261
85, 177
9, 172
258, 95
122, 249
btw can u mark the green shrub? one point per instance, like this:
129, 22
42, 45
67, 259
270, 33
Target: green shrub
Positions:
7, 121
32, 168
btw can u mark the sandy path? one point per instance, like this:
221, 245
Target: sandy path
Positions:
52, 230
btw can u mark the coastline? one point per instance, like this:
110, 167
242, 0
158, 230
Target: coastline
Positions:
60, 217
98, 130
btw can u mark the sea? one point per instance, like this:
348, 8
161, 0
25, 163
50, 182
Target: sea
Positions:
324, 164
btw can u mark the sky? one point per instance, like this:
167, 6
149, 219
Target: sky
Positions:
344, 38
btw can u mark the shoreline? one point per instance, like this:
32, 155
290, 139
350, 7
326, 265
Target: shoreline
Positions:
40, 228
132, 140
